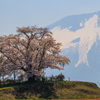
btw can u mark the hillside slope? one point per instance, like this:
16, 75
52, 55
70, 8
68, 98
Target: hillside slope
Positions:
48, 90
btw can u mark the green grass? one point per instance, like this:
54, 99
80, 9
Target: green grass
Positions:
49, 90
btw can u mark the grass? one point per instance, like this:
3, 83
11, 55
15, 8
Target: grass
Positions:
49, 90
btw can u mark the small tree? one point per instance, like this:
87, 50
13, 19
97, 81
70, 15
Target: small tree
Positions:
60, 77
52, 78
31, 50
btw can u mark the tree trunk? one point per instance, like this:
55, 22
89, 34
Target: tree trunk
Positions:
33, 78
14, 76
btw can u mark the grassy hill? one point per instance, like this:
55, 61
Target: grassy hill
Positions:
50, 90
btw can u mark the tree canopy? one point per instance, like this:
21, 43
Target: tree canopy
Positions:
31, 50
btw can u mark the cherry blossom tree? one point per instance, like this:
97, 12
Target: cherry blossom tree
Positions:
31, 50
3, 71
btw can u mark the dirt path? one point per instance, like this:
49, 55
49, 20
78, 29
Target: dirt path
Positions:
76, 99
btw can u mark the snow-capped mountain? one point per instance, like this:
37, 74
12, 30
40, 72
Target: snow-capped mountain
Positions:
80, 38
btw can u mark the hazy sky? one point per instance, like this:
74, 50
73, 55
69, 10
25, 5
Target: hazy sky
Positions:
19, 13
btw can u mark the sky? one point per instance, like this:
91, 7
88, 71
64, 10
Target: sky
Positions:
22, 13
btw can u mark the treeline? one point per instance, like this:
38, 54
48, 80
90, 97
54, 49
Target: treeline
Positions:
22, 78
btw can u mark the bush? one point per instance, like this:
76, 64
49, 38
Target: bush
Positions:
60, 77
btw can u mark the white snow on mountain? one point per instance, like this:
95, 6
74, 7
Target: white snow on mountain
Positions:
86, 36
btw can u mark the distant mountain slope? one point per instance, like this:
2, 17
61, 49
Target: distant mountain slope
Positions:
80, 38
74, 21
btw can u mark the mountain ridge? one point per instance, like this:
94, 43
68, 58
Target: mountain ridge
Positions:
68, 17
